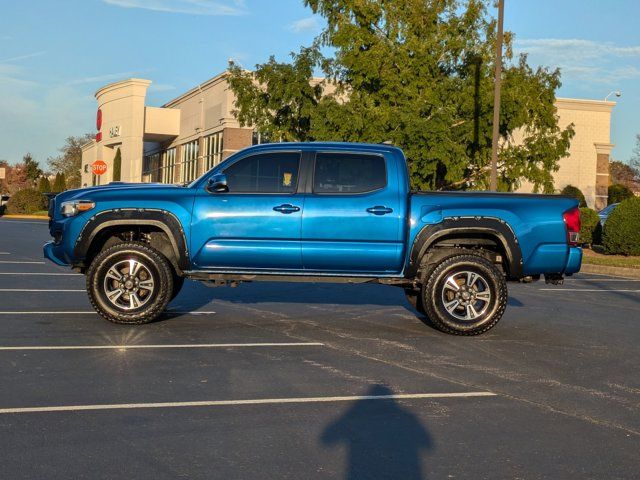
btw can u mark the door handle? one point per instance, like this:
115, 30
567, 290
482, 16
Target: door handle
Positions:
379, 210
286, 208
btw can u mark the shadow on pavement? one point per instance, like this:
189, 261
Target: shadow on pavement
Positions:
383, 440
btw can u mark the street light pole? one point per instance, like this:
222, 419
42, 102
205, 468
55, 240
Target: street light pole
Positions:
496, 102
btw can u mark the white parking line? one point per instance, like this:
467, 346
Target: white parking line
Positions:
5, 253
586, 290
603, 279
86, 312
42, 222
37, 290
260, 401
186, 345
15, 261
31, 273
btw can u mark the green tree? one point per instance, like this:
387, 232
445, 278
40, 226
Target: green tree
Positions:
575, 192
31, 168
618, 192
69, 161
59, 184
45, 185
418, 74
117, 166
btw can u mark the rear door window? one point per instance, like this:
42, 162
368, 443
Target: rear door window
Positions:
342, 173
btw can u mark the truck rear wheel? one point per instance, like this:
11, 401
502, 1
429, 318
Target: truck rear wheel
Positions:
130, 283
465, 295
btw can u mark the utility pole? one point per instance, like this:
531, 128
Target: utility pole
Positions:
496, 100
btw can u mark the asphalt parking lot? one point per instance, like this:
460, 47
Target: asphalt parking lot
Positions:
302, 381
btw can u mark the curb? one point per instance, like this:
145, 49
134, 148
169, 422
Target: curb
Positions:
613, 271
26, 217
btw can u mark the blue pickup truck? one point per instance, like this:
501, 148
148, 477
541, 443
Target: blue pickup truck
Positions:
313, 212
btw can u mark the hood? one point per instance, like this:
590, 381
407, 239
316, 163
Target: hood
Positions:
85, 193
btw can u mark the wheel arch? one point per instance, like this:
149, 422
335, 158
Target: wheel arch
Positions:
107, 221
468, 228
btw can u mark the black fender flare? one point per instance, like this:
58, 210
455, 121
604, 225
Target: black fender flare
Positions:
162, 219
495, 227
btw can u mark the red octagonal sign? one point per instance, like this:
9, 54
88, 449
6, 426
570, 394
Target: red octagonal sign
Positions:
98, 167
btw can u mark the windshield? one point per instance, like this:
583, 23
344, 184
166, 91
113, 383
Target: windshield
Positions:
607, 210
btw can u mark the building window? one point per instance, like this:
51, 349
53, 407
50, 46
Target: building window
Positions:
258, 138
189, 167
151, 167
167, 165
212, 150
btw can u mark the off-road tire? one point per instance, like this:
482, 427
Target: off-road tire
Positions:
434, 292
156, 264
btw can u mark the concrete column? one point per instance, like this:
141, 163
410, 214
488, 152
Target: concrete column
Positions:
603, 150
201, 155
178, 165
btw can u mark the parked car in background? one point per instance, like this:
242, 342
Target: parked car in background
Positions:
4, 199
606, 211
313, 212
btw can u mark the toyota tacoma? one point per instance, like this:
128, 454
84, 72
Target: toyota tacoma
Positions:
313, 212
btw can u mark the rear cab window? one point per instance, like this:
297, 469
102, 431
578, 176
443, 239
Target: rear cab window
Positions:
346, 173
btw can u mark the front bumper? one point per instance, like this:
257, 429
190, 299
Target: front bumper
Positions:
574, 261
54, 253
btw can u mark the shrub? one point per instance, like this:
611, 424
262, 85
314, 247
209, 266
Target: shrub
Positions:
26, 201
618, 193
621, 234
117, 166
576, 193
590, 222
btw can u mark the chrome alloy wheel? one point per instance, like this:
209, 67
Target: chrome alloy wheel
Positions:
129, 284
466, 295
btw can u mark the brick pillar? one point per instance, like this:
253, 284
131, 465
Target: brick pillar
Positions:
234, 139
602, 174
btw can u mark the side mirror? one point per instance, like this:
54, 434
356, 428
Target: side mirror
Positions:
217, 184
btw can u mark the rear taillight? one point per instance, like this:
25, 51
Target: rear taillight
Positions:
572, 221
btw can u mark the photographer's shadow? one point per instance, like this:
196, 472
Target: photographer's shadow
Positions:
383, 439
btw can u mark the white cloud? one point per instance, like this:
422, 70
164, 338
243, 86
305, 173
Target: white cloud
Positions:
161, 87
583, 60
102, 78
192, 7
23, 57
305, 25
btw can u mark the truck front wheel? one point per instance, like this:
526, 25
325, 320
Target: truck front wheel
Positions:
465, 295
130, 283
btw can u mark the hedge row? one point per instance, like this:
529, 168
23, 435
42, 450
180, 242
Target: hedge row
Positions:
26, 201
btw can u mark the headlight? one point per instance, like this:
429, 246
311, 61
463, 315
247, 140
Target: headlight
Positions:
70, 209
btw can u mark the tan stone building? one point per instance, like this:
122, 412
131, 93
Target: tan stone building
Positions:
195, 131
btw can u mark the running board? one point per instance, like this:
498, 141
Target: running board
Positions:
223, 279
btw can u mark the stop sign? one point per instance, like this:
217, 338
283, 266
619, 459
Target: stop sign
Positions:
98, 167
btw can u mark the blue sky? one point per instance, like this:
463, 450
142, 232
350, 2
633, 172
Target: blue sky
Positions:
55, 54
